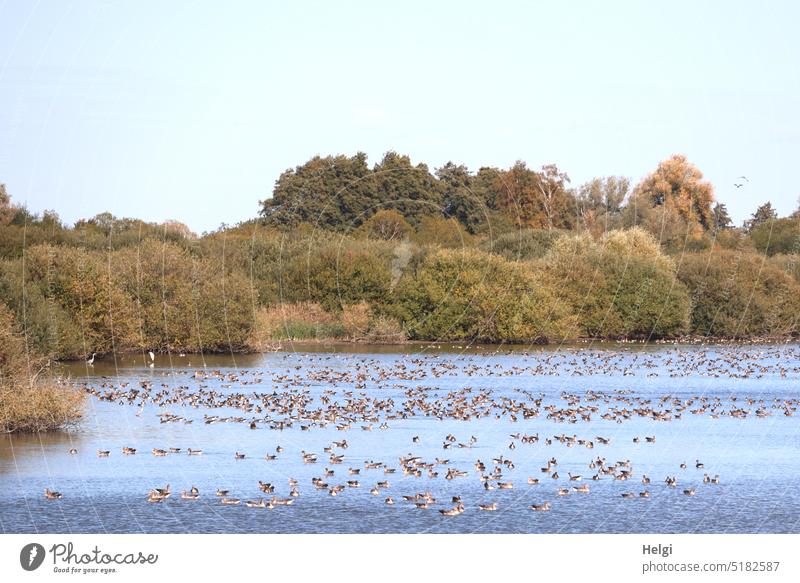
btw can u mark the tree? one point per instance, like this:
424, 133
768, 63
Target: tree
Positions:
411, 190
462, 198
7, 211
599, 201
535, 199
720, 217
677, 183
335, 192
763, 214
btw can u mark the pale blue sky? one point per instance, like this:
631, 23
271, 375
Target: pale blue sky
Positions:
190, 110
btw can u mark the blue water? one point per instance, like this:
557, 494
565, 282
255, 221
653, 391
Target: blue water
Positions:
756, 458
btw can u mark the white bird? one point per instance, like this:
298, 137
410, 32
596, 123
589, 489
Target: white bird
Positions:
152, 356
90, 362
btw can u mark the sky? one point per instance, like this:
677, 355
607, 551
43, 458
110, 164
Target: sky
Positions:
191, 110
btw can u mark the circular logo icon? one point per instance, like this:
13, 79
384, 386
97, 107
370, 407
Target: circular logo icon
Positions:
31, 556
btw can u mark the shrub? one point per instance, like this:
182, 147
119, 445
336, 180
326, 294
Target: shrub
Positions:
471, 295
777, 236
523, 244
622, 286
737, 294
29, 401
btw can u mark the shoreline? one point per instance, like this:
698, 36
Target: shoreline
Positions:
293, 345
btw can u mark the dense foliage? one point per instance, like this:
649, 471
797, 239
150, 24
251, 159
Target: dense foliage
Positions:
344, 250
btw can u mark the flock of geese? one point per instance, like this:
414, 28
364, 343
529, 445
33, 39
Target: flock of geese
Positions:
416, 466
363, 394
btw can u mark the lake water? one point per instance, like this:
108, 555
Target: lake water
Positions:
733, 408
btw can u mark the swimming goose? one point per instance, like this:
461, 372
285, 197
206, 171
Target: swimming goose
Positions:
489, 507
103, 452
541, 507
689, 491
72, 451
452, 511
230, 501
52, 495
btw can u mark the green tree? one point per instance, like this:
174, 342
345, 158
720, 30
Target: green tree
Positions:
764, 214
334, 192
721, 219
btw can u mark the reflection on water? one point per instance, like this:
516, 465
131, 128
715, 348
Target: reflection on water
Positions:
421, 394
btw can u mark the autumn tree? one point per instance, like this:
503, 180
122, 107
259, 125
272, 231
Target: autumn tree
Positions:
536, 199
678, 184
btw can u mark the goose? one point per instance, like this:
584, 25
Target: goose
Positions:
103, 452
191, 451
190, 496
453, 511
222, 492
698, 464
489, 507
72, 451
260, 503
689, 491
51, 494
583, 489
645, 494
540, 507
389, 501
533, 481
628, 495
239, 456
645, 479
230, 501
